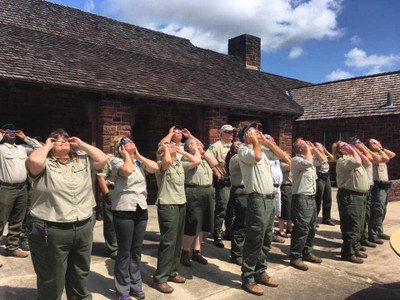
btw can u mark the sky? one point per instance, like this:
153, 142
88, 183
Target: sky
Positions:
311, 40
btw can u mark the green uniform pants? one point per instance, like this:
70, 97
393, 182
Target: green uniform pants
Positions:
351, 207
367, 215
61, 259
23, 239
109, 234
239, 200
260, 213
12, 209
304, 218
323, 197
379, 202
221, 211
171, 219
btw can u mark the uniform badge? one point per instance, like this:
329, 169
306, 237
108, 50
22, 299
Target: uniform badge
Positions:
211, 147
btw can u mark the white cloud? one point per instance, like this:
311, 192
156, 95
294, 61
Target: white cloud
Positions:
355, 40
338, 74
295, 52
88, 6
209, 23
358, 58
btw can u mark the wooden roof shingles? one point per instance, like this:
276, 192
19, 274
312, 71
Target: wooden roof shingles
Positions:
356, 97
53, 44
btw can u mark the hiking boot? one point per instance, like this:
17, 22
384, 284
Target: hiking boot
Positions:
363, 249
196, 256
177, 279
353, 259
164, 288
376, 240
368, 244
383, 236
312, 258
16, 253
185, 259
266, 280
253, 288
361, 254
298, 264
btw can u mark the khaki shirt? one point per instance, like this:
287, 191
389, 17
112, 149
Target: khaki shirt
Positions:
12, 160
257, 176
322, 166
219, 150
171, 184
349, 177
287, 175
63, 192
380, 172
131, 191
370, 174
235, 174
178, 155
106, 172
201, 175
304, 176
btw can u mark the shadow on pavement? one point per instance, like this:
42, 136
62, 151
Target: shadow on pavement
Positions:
390, 291
7, 292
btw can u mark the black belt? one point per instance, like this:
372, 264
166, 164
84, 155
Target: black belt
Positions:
195, 185
323, 176
276, 185
14, 185
287, 184
239, 186
110, 186
268, 196
354, 192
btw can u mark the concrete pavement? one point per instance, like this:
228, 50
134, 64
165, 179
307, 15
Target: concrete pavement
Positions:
377, 278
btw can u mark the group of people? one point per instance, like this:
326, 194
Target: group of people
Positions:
244, 180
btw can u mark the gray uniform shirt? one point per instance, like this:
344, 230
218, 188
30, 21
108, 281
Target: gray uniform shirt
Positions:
349, 177
257, 175
12, 160
219, 150
380, 172
287, 174
131, 191
235, 174
106, 172
304, 176
322, 166
171, 184
63, 192
200, 175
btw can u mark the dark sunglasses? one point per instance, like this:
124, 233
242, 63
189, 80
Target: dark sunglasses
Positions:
125, 141
229, 132
8, 131
60, 139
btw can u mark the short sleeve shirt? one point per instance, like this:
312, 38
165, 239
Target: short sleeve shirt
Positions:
131, 191
380, 172
322, 166
235, 174
200, 175
287, 175
350, 177
63, 191
257, 175
304, 176
171, 184
106, 172
219, 150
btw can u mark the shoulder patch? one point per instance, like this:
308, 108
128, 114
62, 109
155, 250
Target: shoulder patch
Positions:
211, 147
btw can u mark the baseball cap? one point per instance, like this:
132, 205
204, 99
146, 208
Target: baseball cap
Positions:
8, 127
226, 127
244, 129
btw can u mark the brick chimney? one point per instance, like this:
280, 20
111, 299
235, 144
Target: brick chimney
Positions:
247, 48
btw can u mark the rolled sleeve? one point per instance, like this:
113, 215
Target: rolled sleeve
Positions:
247, 156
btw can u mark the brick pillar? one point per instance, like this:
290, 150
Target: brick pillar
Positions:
214, 118
282, 132
114, 118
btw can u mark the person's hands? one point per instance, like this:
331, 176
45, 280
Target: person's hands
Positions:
49, 143
123, 152
171, 130
20, 134
252, 136
75, 142
186, 133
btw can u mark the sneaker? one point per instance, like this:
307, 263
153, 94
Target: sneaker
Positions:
368, 244
199, 258
185, 259
312, 258
298, 264
138, 294
218, 243
376, 240
361, 254
277, 239
253, 288
125, 297
266, 280
353, 259
16, 253
383, 236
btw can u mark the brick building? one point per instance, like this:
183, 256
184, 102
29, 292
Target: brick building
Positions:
97, 77
364, 107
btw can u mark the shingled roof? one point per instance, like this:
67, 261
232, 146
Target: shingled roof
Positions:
51, 44
356, 97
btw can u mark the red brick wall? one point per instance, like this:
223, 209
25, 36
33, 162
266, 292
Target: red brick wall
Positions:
282, 130
384, 128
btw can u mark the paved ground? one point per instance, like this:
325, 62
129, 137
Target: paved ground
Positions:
377, 278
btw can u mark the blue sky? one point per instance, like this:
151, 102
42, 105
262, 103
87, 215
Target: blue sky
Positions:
311, 40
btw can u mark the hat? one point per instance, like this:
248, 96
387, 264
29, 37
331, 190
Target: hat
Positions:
8, 127
244, 129
226, 127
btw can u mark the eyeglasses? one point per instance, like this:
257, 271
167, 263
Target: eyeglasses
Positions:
8, 131
229, 132
177, 131
60, 139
